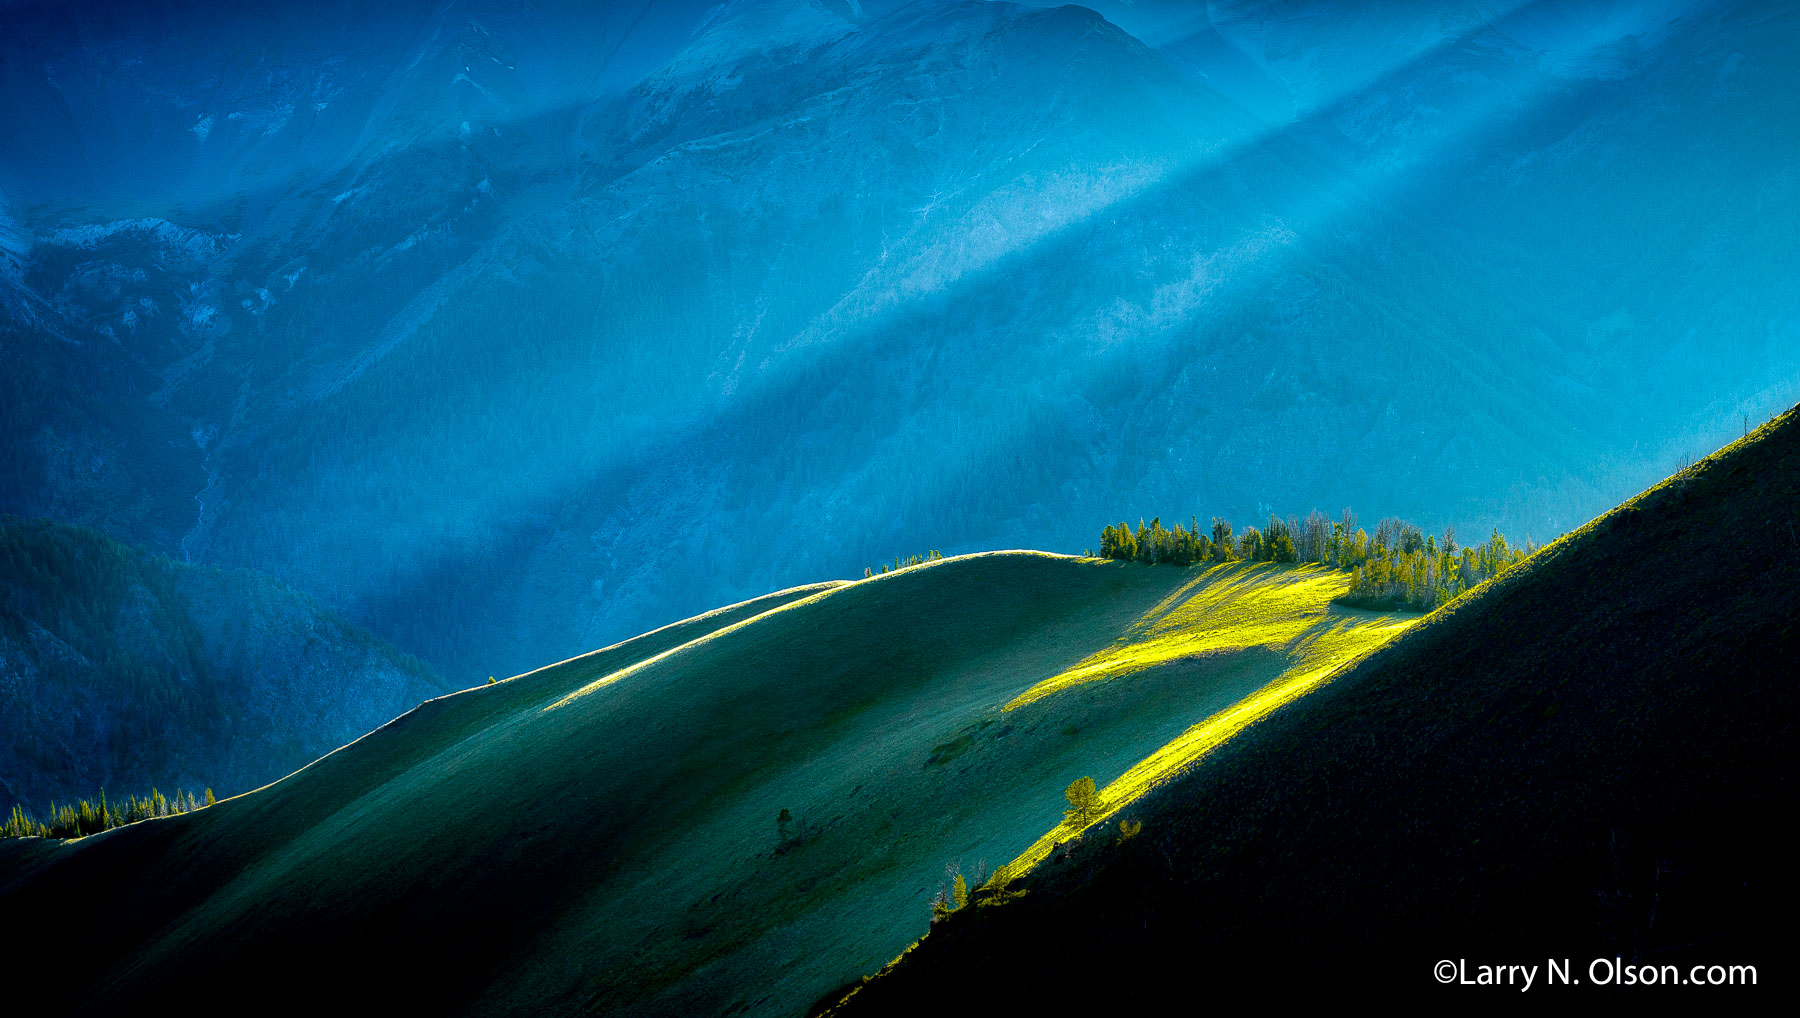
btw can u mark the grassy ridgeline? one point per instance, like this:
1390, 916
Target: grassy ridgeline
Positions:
604, 833
1590, 757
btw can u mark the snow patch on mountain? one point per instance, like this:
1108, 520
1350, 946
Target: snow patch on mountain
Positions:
200, 314
168, 239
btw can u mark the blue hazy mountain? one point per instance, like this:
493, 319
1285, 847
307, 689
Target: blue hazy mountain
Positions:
512, 329
129, 671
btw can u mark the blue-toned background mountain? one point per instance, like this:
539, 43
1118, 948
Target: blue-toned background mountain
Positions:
512, 329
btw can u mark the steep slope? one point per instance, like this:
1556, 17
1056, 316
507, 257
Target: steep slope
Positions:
754, 262
122, 669
603, 833
126, 104
1593, 757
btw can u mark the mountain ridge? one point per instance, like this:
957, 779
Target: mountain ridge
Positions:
742, 810
1591, 757
817, 257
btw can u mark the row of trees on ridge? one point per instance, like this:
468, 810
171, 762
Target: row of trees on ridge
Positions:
902, 563
1400, 566
74, 820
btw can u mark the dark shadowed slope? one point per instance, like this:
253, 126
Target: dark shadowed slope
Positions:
1593, 757
602, 834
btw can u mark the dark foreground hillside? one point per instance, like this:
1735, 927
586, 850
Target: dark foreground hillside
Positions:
1595, 757
122, 669
730, 815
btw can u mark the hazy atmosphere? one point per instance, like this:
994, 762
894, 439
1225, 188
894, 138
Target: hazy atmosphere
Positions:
510, 330
845, 508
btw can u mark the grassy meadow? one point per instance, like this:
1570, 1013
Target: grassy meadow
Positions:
605, 833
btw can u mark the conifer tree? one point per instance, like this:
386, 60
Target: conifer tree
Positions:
1084, 803
1221, 538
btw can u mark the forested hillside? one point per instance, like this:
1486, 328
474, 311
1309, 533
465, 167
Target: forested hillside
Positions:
122, 669
511, 330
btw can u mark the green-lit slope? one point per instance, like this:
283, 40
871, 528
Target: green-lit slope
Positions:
1593, 757
602, 834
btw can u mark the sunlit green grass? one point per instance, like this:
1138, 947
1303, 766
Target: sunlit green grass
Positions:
612, 818
1222, 609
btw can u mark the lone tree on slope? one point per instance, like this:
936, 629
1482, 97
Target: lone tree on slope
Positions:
1084, 803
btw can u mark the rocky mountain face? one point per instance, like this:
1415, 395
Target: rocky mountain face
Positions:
124, 670
509, 330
